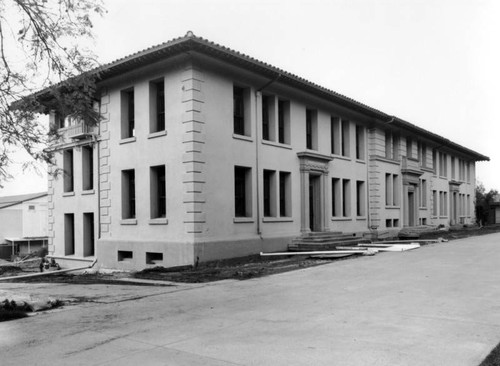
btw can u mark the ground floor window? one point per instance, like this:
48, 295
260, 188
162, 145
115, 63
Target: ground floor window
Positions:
242, 191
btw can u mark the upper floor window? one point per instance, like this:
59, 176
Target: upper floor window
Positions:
423, 154
346, 141
443, 165
87, 168
434, 160
157, 106
283, 121
311, 129
391, 145
68, 180
127, 114
268, 118
409, 147
241, 120
360, 142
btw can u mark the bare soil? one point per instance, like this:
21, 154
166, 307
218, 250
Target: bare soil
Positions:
237, 268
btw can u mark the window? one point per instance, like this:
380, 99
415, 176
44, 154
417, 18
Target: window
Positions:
283, 121
469, 213
266, 133
336, 194
360, 198
125, 255
446, 203
69, 234
388, 190
88, 234
409, 147
156, 106
461, 170
391, 145
453, 164
388, 144
68, 181
127, 114
391, 190
128, 194
434, 161
311, 129
241, 118
276, 193
158, 193
242, 191
423, 155
345, 144
360, 142
443, 165
423, 193
443, 203
346, 197
285, 198
468, 172
87, 168
31, 207
269, 193
341, 197
434, 203
335, 135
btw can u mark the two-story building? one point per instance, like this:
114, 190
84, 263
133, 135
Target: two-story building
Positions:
205, 153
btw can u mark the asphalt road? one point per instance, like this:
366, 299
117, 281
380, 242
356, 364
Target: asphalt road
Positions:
437, 305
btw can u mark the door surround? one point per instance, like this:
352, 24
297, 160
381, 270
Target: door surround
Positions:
316, 165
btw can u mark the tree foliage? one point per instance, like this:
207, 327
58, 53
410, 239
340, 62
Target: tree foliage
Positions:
483, 202
43, 66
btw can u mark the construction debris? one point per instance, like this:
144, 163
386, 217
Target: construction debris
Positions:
390, 247
329, 253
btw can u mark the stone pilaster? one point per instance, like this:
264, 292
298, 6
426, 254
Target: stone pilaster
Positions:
50, 211
104, 167
375, 189
193, 142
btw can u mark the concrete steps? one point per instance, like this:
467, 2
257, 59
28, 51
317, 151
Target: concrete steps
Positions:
324, 241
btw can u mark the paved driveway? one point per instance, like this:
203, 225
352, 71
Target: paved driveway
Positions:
438, 305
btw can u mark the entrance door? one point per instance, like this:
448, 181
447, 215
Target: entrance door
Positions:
411, 209
454, 209
314, 203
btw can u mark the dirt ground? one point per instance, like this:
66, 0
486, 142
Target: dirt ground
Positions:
237, 268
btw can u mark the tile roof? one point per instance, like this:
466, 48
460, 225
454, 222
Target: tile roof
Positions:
7, 201
190, 42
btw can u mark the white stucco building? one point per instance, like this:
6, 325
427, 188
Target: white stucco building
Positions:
23, 223
204, 153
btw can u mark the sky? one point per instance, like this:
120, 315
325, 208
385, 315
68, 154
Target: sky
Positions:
432, 63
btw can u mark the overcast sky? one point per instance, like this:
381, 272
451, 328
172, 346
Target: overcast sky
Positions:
434, 63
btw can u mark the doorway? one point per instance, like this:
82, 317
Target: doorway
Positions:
314, 203
411, 208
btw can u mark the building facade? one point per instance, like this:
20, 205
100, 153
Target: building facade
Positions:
23, 224
204, 153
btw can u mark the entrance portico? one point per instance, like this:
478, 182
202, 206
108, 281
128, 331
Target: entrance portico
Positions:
314, 169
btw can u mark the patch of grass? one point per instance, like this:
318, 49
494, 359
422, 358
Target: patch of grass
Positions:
9, 310
493, 359
6, 315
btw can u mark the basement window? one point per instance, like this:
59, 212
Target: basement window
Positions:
125, 255
154, 258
